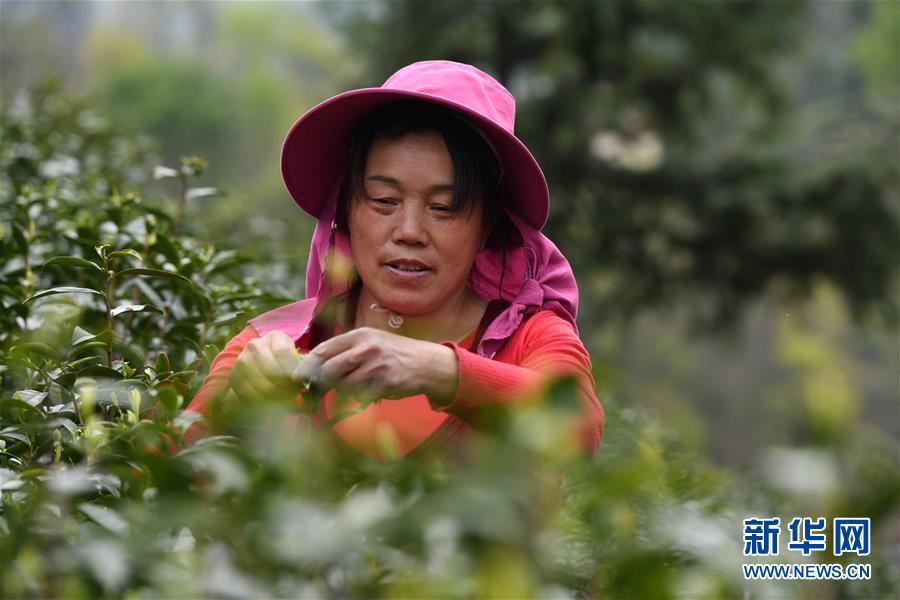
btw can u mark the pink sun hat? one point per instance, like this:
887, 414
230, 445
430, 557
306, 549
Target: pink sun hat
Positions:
315, 149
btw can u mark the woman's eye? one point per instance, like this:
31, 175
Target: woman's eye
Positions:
443, 209
384, 201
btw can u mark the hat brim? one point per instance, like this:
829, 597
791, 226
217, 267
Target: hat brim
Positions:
316, 146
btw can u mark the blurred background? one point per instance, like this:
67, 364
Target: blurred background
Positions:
723, 175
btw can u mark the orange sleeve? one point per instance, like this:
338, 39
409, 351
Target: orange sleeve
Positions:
546, 347
217, 380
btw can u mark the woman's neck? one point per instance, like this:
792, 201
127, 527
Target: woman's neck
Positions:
452, 321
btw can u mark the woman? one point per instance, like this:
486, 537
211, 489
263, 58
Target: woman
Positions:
429, 285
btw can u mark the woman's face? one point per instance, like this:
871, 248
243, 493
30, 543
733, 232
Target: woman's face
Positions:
412, 250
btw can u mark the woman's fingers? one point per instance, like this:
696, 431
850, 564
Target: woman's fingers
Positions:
264, 368
343, 342
247, 376
274, 356
365, 360
284, 352
245, 384
339, 366
310, 367
307, 370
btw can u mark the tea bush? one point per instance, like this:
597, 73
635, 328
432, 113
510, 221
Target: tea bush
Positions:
111, 316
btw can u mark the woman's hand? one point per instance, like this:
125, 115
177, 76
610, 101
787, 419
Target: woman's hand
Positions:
383, 365
263, 369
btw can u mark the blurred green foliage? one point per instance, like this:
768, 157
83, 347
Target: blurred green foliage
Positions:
877, 49
233, 103
698, 153
152, 95
691, 159
108, 320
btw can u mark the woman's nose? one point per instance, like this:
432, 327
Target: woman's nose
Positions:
411, 227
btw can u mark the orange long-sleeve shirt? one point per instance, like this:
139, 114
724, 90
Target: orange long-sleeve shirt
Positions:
542, 347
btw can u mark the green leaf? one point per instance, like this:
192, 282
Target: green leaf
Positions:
188, 373
128, 252
16, 403
99, 371
73, 261
5, 290
32, 397
62, 290
133, 355
161, 172
155, 273
106, 517
193, 165
210, 351
13, 433
77, 363
229, 318
126, 308
38, 348
225, 260
162, 363
68, 424
20, 237
168, 399
202, 192
10, 480
148, 291
80, 336
182, 376
66, 379
81, 349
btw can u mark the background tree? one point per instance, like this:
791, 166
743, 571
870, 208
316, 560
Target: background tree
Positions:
682, 162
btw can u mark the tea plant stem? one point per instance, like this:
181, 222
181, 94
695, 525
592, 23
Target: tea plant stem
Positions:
76, 402
29, 275
109, 319
182, 200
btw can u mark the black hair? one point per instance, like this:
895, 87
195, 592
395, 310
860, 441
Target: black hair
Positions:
477, 173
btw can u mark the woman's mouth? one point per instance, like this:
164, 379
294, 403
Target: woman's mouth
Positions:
407, 269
